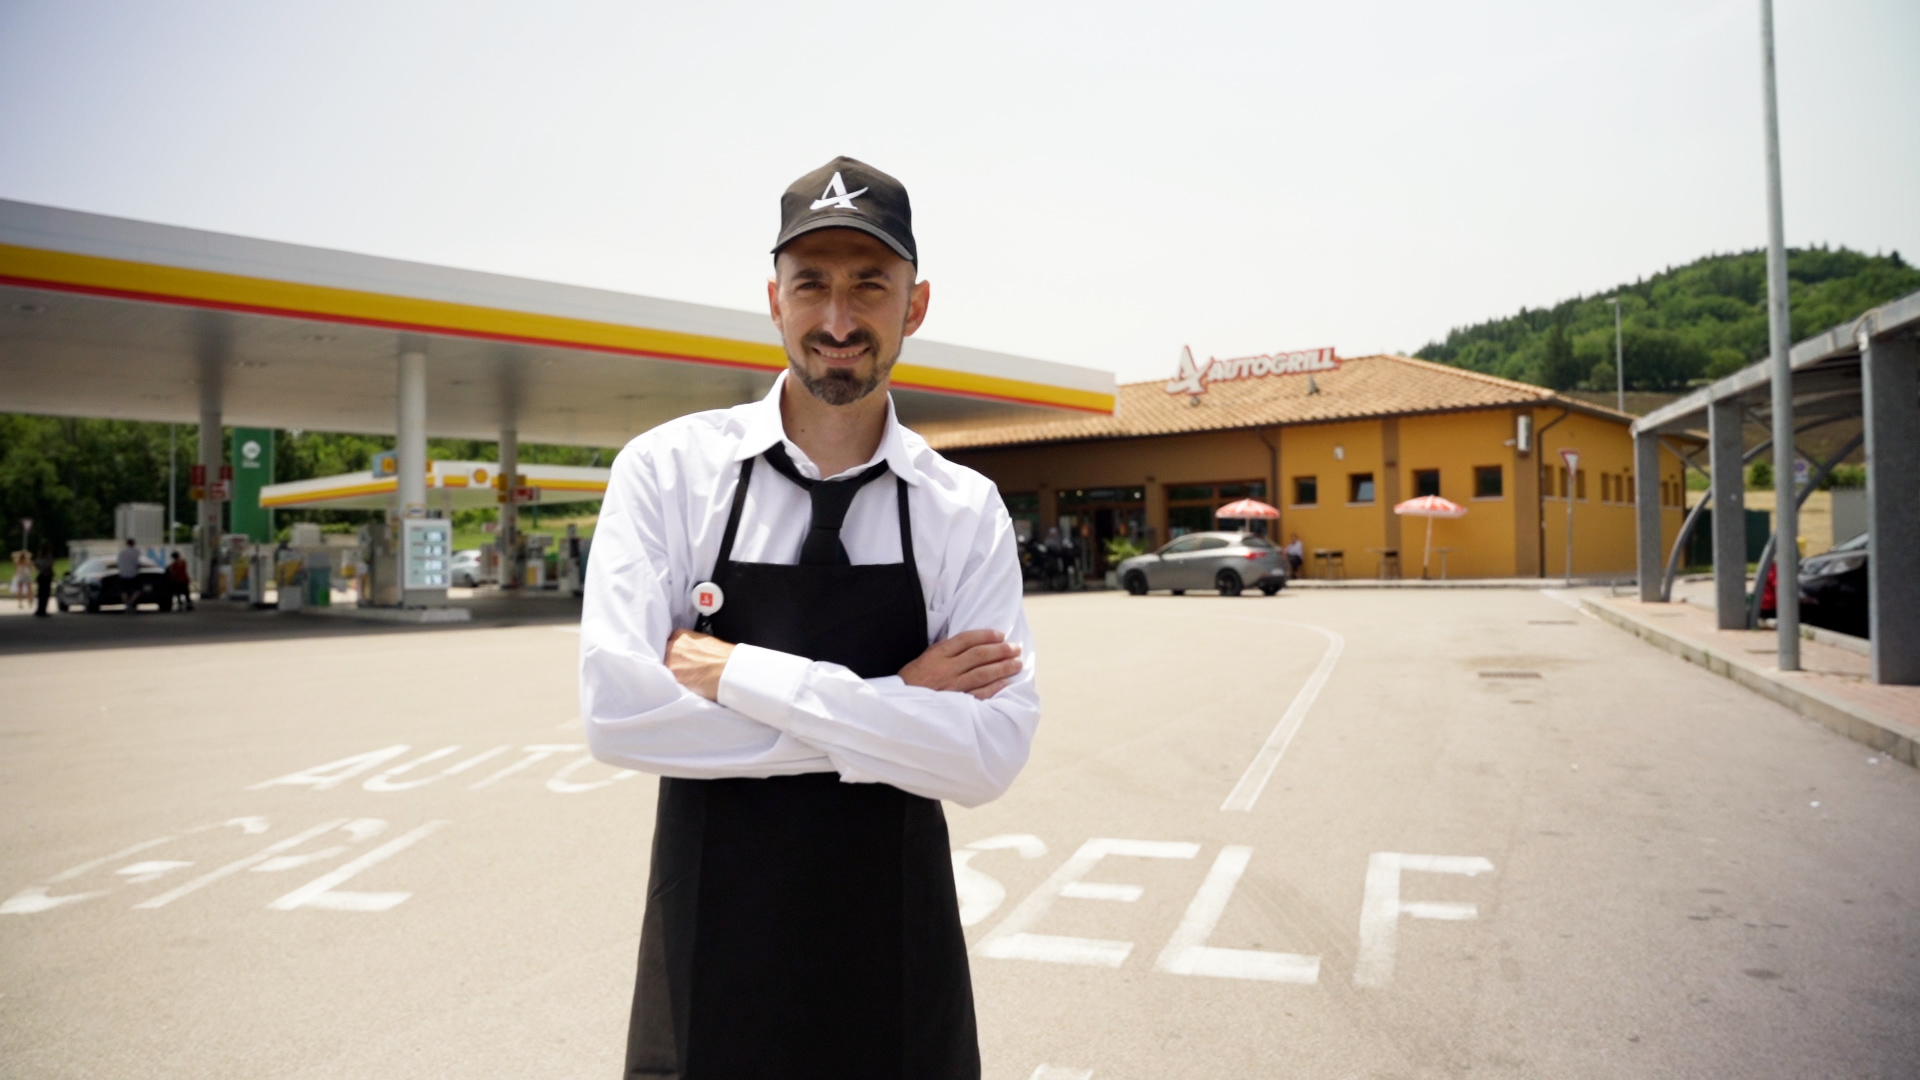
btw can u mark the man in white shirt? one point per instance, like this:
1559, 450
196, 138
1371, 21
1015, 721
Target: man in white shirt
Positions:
127, 563
811, 654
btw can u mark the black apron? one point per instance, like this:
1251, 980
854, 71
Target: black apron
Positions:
797, 926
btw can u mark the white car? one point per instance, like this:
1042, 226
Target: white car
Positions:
467, 571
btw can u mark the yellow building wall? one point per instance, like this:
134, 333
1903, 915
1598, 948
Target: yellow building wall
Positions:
1331, 453
1483, 542
1603, 520
1498, 537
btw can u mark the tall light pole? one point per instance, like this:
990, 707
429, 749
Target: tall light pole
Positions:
1619, 353
1786, 552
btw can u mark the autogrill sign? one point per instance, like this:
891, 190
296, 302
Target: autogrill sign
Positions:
1193, 378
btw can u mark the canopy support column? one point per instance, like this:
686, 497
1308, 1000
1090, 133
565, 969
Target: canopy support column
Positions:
411, 425
1890, 386
1646, 512
511, 573
207, 543
1729, 488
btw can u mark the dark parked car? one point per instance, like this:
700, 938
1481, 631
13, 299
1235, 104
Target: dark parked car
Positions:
97, 582
1833, 588
1226, 561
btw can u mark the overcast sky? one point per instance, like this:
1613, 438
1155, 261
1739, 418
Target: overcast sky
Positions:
1092, 183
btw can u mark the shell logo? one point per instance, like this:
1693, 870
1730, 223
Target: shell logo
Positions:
481, 476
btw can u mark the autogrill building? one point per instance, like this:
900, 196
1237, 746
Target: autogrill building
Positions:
1339, 441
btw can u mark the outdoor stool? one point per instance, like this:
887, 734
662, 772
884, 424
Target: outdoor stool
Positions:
1332, 563
1389, 562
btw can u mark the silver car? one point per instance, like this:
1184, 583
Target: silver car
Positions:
1227, 561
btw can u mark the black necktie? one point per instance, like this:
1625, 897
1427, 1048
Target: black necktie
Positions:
831, 498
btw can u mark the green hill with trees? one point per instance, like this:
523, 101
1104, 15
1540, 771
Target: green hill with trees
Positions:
1683, 325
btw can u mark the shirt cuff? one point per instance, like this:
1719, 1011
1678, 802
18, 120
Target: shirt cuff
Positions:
762, 684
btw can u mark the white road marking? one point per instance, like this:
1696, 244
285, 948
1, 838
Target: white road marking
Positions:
321, 892
1260, 770
151, 870
232, 868
1060, 1072
1010, 941
559, 783
536, 753
1564, 597
357, 830
1381, 908
385, 782
1187, 952
488, 755
332, 774
36, 900
981, 895
566, 629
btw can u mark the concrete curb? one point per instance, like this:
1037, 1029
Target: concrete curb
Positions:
397, 615
1890, 737
1453, 583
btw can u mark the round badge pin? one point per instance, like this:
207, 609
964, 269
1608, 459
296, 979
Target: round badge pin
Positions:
707, 598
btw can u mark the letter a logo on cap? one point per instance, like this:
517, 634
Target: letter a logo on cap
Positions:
836, 195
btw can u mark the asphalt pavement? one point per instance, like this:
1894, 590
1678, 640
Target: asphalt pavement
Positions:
1333, 834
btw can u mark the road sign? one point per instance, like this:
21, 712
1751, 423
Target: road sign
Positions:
1572, 458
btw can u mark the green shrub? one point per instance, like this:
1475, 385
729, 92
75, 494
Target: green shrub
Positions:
1122, 548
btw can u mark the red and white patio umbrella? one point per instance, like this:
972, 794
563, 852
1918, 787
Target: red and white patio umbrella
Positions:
1430, 507
1247, 509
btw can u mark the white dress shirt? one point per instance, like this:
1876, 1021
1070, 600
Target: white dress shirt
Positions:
779, 714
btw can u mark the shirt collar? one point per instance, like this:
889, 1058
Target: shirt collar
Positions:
764, 429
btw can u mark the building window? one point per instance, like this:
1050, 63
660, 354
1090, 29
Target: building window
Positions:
1360, 487
1306, 491
1606, 487
1633, 493
1190, 507
1426, 482
1488, 482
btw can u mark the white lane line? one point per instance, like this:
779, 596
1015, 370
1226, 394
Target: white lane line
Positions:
1060, 1072
1260, 770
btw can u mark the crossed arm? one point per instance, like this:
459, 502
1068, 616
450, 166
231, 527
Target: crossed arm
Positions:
977, 662
955, 724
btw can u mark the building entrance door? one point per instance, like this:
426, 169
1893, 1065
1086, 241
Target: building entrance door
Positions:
1093, 516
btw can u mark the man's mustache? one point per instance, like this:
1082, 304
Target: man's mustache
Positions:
824, 340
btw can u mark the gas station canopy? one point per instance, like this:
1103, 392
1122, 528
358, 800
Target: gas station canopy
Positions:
451, 485
108, 317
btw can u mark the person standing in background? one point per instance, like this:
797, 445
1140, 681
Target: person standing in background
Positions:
128, 565
1296, 555
22, 579
179, 585
43, 575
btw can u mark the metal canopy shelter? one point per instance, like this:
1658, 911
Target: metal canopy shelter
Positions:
1867, 370
107, 317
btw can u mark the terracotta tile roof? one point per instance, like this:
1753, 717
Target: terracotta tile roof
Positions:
1362, 387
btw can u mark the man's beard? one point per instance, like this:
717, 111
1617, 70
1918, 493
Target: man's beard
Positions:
841, 386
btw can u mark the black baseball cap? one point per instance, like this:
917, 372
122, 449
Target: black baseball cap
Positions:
849, 194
